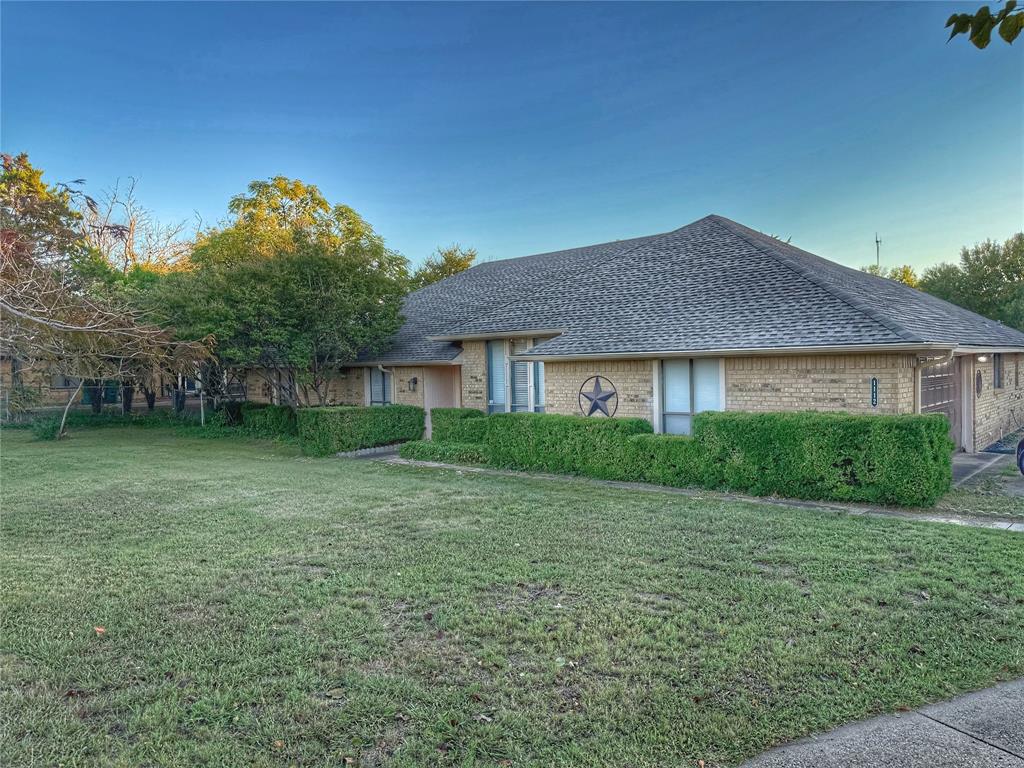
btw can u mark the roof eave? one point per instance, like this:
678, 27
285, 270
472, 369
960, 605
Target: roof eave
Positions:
405, 363
744, 352
978, 349
517, 334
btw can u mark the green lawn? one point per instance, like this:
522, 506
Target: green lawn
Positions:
264, 609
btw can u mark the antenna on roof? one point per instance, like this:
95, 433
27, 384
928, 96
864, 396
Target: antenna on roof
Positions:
878, 251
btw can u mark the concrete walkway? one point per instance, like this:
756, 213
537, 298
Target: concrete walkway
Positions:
968, 466
980, 730
1005, 524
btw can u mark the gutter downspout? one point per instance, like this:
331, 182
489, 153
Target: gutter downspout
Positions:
948, 357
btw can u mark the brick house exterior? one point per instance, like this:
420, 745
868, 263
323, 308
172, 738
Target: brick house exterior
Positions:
710, 316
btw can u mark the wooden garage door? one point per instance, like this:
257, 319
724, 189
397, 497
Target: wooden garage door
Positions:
940, 393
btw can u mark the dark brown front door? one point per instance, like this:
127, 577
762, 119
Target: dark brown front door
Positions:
940, 393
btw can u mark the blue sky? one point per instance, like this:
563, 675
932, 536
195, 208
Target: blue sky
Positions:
524, 128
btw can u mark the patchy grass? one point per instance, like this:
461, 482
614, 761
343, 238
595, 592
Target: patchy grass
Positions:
259, 608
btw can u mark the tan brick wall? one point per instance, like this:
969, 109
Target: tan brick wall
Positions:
633, 380
820, 382
15, 373
474, 374
402, 383
997, 411
347, 387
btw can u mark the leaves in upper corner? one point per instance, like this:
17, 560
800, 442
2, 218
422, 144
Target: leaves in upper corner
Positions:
979, 25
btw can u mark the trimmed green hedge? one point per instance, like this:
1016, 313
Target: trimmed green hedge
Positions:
676, 460
563, 444
809, 455
458, 425
325, 431
903, 460
265, 420
445, 453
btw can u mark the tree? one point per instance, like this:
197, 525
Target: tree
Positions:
988, 280
978, 26
49, 317
291, 287
123, 236
445, 262
903, 274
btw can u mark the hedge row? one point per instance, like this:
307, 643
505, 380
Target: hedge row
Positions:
265, 420
880, 459
560, 444
445, 453
325, 431
458, 425
828, 456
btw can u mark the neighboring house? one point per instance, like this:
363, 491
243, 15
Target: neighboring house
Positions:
35, 387
713, 316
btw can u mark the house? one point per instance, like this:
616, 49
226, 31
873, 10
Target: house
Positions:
711, 316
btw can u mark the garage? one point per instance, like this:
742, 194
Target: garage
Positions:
940, 393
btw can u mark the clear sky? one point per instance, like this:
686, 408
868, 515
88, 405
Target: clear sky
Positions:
525, 128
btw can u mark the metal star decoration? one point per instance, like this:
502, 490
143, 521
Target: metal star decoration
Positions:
598, 398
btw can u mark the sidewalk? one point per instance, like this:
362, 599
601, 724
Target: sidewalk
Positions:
981, 730
1006, 524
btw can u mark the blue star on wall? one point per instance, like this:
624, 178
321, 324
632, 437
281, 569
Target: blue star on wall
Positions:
598, 398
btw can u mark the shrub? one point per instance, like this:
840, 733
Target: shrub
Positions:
264, 420
902, 460
232, 410
446, 453
675, 460
324, 431
458, 425
45, 428
880, 459
565, 444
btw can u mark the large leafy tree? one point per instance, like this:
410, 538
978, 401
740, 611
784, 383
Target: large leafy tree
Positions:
443, 263
903, 274
978, 26
989, 280
52, 318
291, 287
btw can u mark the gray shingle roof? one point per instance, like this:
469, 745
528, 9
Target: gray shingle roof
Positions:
712, 285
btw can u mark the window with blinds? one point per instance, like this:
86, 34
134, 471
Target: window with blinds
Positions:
513, 385
496, 376
519, 377
689, 386
380, 387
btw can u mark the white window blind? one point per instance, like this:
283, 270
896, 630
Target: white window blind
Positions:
520, 375
495, 376
380, 387
689, 387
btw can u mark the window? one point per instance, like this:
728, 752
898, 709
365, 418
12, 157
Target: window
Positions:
997, 371
538, 387
60, 381
513, 385
495, 376
689, 387
520, 377
380, 387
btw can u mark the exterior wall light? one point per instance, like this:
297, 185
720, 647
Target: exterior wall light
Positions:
412, 384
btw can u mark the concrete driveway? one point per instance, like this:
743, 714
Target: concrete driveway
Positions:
981, 730
968, 466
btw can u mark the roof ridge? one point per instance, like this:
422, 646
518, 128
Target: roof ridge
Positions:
646, 238
574, 248
809, 274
